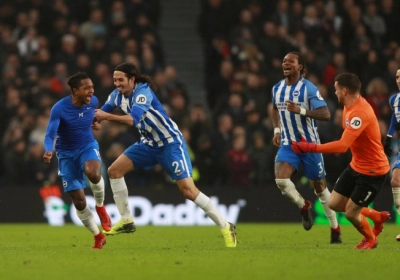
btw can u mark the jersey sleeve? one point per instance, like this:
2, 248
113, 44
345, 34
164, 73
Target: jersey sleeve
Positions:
393, 121
111, 102
141, 103
393, 100
314, 97
52, 127
358, 123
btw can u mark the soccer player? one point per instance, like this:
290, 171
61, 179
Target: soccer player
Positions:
71, 122
161, 142
297, 105
394, 102
360, 182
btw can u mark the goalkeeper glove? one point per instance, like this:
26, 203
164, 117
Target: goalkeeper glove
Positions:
303, 146
387, 146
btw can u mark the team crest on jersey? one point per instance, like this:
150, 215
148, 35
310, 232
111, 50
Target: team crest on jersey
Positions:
141, 99
356, 122
296, 93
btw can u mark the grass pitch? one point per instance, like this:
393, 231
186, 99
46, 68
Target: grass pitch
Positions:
265, 251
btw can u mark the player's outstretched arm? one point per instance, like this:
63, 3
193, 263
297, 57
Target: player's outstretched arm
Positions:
100, 115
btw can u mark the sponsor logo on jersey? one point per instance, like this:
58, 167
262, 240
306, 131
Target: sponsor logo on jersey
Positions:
141, 99
356, 122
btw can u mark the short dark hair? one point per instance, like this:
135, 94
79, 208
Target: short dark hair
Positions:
75, 80
301, 61
349, 81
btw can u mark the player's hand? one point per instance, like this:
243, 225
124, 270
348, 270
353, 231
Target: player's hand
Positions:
96, 125
276, 141
303, 146
47, 157
292, 107
99, 115
387, 146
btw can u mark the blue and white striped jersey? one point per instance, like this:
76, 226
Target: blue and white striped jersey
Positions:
395, 105
307, 96
155, 126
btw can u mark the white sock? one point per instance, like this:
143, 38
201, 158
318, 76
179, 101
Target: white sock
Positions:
289, 190
329, 213
88, 221
205, 203
120, 192
98, 192
396, 198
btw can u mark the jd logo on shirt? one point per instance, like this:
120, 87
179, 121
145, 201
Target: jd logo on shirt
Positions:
355, 123
141, 99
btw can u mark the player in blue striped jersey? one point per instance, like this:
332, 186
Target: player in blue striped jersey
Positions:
394, 102
70, 123
297, 105
160, 142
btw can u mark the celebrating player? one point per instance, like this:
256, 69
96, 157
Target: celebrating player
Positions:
71, 120
297, 104
360, 182
161, 142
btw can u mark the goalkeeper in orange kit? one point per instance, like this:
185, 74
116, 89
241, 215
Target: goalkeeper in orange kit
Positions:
360, 182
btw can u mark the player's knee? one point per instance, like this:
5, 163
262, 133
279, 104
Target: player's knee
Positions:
334, 206
285, 185
351, 217
80, 204
114, 173
94, 177
395, 182
188, 191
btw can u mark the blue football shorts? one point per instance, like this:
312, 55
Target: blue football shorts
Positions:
313, 163
173, 157
71, 165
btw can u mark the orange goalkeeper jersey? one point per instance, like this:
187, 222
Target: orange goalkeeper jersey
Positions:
362, 135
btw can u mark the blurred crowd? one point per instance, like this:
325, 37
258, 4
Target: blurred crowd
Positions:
229, 137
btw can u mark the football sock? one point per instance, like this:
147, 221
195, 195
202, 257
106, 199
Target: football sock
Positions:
396, 198
88, 221
289, 190
365, 229
329, 213
98, 192
120, 192
374, 215
205, 203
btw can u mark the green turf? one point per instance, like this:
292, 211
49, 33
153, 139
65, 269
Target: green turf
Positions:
265, 251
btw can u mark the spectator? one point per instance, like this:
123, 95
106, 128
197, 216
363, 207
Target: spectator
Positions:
239, 164
221, 143
376, 94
